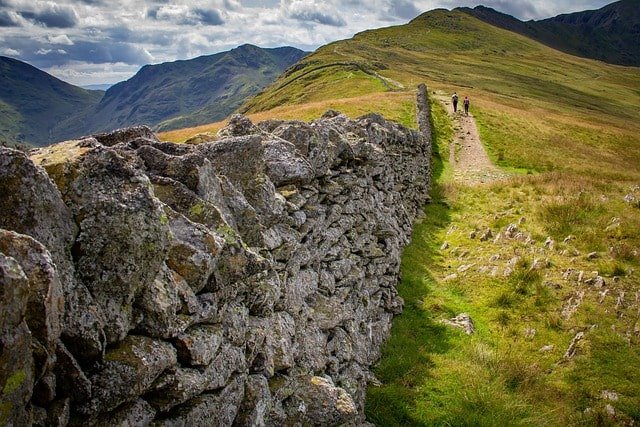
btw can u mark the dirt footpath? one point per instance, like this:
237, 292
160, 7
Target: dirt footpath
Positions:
467, 156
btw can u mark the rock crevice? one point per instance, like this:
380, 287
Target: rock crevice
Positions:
249, 280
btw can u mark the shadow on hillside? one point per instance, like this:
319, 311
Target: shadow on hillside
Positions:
416, 335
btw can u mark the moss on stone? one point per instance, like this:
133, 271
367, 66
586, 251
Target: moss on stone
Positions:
14, 382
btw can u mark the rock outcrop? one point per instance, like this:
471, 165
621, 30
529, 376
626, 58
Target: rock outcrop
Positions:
250, 280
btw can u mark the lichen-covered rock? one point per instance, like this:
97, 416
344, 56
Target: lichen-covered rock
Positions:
256, 403
70, 378
45, 307
198, 345
128, 370
247, 281
32, 205
123, 235
317, 401
122, 136
193, 251
176, 386
214, 409
16, 361
138, 413
160, 304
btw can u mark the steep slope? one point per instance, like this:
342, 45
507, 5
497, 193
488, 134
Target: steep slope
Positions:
187, 93
32, 102
610, 34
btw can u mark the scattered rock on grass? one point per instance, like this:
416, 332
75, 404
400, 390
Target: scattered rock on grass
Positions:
486, 235
462, 321
573, 346
609, 395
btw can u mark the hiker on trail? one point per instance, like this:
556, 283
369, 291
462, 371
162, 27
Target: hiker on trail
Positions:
454, 98
466, 105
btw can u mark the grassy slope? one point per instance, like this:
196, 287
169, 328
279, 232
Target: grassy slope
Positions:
32, 102
574, 124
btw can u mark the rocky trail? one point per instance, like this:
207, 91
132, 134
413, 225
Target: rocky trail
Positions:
467, 155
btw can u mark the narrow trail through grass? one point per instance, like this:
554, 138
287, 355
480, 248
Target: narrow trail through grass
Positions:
547, 267
470, 162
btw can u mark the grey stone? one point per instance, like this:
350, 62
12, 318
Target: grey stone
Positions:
128, 371
198, 345
174, 387
16, 360
317, 401
219, 277
214, 409
32, 205
135, 414
256, 403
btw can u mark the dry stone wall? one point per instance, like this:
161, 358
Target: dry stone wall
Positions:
246, 281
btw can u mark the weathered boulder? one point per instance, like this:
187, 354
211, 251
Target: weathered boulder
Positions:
16, 361
122, 136
317, 401
215, 409
32, 205
123, 234
45, 306
128, 371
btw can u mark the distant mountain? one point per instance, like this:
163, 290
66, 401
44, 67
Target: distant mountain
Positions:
187, 93
102, 87
32, 102
610, 34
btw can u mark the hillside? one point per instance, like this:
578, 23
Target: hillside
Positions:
186, 93
32, 102
545, 263
509, 77
610, 34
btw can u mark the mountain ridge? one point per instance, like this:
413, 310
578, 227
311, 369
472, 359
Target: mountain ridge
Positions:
37, 108
186, 92
32, 102
610, 34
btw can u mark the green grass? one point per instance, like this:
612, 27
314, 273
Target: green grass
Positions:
433, 375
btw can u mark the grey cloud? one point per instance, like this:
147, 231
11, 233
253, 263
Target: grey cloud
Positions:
122, 34
231, 5
53, 15
100, 53
43, 55
308, 13
8, 20
185, 16
209, 16
403, 9
522, 9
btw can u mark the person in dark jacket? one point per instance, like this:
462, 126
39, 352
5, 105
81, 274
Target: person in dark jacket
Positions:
466, 105
454, 99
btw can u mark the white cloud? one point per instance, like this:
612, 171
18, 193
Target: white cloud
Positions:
7, 51
94, 36
320, 12
60, 39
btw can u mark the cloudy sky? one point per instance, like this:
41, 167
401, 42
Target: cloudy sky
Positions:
106, 41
